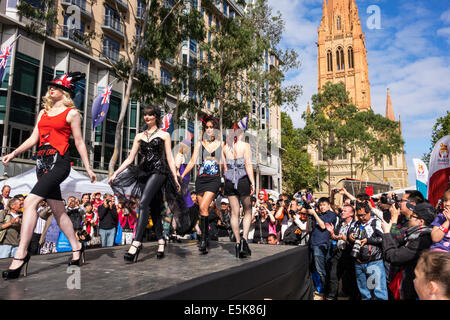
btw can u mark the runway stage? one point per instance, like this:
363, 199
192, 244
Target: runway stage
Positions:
274, 272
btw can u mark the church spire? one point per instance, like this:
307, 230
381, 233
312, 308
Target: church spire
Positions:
308, 108
389, 109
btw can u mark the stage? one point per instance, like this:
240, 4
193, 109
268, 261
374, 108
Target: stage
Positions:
272, 272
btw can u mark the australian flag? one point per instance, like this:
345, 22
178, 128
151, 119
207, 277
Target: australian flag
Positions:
100, 107
4, 55
167, 123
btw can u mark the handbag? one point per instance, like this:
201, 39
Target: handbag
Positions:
118, 238
394, 285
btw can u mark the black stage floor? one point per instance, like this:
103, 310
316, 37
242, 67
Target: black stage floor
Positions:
274, 272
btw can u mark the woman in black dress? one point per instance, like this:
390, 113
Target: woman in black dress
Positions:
208, 177
155, 175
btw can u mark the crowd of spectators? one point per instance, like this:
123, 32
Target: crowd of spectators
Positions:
394, 247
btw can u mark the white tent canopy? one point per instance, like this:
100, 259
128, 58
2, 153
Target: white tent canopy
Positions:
75, 185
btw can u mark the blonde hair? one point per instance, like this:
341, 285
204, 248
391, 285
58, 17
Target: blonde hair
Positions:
48, 103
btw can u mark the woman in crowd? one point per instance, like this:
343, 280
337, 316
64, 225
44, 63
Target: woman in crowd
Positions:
239, 186
432, 281
90, 219
55, 124
127, 220
208, 177
441, 225
155, 175
265, 224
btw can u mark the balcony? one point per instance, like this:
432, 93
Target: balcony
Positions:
111, 53
73, 37
121, 4
86, 7
113, 26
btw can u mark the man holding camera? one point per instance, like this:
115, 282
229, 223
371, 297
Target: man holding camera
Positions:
341, 265
107, 215
320, 236
366, 240
418, 238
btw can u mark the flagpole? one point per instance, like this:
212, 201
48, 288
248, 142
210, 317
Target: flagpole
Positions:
17, 38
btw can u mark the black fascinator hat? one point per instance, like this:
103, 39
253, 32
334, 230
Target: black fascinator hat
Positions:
67, 82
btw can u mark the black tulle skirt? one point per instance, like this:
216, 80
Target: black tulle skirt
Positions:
129, 185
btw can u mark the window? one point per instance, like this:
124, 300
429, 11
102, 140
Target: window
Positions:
193, 46
140, 9
209, 20
254, 107
111, 48
225, 8
340, 59
112, 19
330, 60
209, 36
166, 77
350, 58
339, 23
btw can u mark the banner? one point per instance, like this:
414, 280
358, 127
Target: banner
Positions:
439, 170
421, 176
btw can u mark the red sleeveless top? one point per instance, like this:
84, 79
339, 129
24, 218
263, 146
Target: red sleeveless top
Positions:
55, 130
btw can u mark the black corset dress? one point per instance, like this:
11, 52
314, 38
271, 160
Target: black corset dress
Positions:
131, 182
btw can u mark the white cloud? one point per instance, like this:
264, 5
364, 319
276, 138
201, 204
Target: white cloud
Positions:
444, 32
446, 16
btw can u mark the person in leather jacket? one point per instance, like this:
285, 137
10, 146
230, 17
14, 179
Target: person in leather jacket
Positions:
366, 238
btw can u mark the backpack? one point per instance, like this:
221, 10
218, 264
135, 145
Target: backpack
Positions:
292, 235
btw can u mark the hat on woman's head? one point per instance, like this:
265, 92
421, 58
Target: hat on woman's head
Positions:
67, 82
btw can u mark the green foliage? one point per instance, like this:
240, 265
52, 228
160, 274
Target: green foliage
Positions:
298, 170
42, 16
440, 129
339, 128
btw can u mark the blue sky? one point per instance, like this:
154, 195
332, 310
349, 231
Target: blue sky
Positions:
409, 54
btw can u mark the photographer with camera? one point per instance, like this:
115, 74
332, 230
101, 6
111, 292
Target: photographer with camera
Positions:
73, 211
264, 222
320, 236
341, 264
406, 255
108, 218
365, 237
400, 213
297, 231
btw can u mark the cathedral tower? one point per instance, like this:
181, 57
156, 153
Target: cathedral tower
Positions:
342, 53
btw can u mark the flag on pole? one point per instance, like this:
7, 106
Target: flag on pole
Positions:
167, 122
100, 107
421, 177
243, 124
439, 172
4, 55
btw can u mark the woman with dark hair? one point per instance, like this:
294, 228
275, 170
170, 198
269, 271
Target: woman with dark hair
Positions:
155, 175
54, 125
239, 186
208, 177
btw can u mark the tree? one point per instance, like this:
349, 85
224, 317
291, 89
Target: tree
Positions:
160, 19
298, 170
337, 127
440, 129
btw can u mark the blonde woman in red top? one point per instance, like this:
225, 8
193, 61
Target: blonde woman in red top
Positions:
54, 125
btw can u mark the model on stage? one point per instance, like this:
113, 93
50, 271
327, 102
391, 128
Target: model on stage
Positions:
155, 175
208, 177
239, 185
54, 125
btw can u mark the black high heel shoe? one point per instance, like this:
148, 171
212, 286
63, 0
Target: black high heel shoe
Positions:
160, 254
14, 274
247, 250
81, 260
204, 237
237, 248
133, 257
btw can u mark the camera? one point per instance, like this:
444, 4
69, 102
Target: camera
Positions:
352, 202
292, 212
356, 248
335, 190
286, 202
307, 205
396, 201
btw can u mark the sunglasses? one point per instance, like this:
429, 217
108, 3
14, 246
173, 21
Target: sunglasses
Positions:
209, 127
363, 215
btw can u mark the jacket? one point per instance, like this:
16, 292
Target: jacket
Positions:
372, 250
406, 256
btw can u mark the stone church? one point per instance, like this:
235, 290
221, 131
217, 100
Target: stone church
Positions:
342, 57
